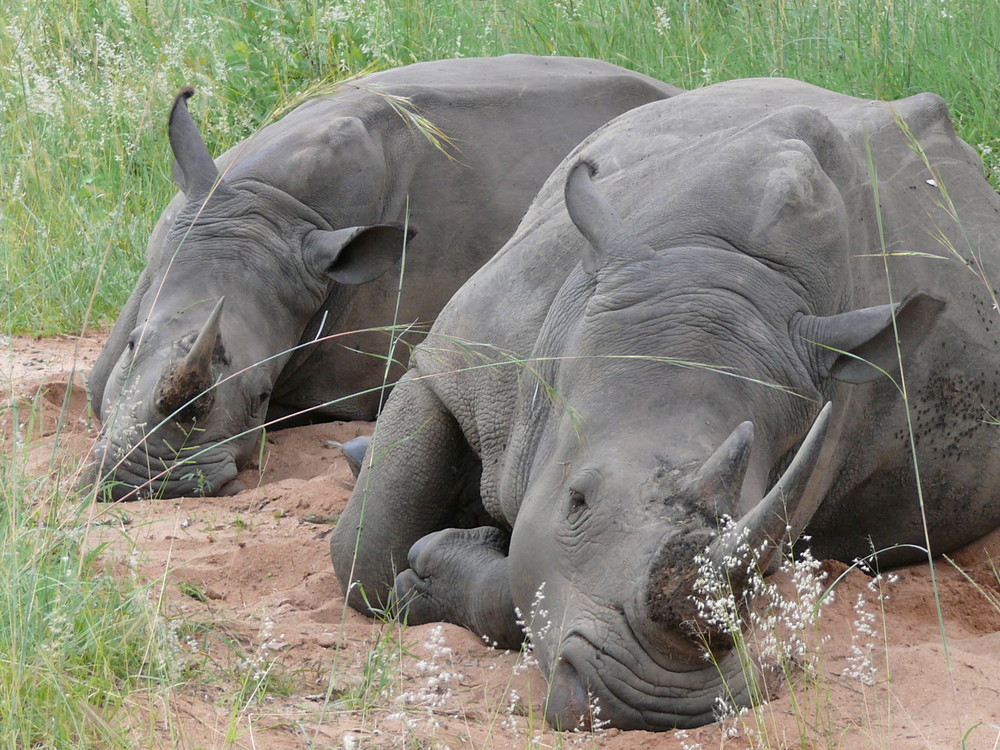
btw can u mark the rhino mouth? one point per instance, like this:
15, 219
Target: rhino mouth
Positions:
125, 473
627, 688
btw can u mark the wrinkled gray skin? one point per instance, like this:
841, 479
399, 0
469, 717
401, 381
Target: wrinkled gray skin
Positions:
732, 226
299, 238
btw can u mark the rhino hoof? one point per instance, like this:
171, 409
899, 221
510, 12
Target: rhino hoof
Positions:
405, 590
232, 487
454, 576
412, 591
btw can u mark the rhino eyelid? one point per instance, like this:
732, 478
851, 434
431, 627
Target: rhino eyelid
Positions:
134, 337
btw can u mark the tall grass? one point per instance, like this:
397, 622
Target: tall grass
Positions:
85, 86
74, 639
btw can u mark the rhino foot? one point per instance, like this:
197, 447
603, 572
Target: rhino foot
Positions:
460, 576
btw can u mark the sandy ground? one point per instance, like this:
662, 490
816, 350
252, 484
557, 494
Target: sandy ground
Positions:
272, 659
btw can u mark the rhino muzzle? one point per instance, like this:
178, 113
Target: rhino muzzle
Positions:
123, 474
620, 685
172, 459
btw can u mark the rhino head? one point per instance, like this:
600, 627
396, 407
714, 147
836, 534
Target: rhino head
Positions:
625, 490
232, 282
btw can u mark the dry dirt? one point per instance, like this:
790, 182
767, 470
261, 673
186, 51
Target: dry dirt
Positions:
248, 581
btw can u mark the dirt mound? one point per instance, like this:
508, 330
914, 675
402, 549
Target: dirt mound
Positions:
274, 660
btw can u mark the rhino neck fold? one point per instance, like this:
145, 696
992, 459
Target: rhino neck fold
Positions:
538, 396
533, 414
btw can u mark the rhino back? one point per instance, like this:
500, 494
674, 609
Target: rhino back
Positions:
486, 119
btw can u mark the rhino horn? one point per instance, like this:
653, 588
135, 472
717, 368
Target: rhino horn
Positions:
786, 509
194, 170
720, 479
192, 375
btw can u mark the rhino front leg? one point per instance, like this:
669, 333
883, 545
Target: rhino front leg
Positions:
414, 479
460, 576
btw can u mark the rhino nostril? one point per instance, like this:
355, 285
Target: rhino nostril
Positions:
568, 704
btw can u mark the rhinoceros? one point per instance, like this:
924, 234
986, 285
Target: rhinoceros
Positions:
266, 276
697, 319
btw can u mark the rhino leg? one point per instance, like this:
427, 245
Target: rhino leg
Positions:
415, 479
460, 576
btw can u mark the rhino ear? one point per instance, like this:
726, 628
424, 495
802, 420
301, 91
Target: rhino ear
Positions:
194, 171
357, 254
860, 345
591, 213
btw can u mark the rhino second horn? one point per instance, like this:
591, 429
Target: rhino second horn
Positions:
785, 511
193, 374
719, 481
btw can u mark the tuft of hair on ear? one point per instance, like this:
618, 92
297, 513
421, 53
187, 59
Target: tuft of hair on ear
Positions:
185, 93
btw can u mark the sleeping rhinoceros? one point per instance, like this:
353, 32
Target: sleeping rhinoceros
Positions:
697, 318
288, 240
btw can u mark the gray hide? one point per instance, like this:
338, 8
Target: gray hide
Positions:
665, 334
296, 236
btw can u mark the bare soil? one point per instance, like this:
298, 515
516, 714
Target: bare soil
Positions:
272, 659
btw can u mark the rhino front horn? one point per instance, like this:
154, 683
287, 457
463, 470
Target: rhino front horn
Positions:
786, 510
193, 375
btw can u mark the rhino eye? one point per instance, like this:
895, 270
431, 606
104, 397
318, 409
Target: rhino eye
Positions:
577, 502
133, 338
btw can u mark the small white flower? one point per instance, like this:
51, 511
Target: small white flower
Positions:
662, 22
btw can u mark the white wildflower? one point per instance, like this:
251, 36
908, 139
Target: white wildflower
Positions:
435, 688
662, 22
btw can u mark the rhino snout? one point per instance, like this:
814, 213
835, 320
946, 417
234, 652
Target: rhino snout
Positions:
134, 474
622, 685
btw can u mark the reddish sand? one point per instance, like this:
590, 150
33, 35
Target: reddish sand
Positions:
252, 573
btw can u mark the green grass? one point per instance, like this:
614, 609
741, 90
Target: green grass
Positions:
75, 640
85, 86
